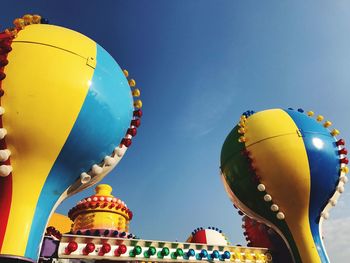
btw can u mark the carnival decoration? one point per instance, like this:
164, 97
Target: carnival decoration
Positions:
67, 118
100, 232
286, 168
101, 214
210, 236
258, 234
126, 250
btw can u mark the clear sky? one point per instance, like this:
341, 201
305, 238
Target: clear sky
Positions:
199, 65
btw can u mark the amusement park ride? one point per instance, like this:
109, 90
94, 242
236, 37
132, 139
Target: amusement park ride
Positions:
283, 169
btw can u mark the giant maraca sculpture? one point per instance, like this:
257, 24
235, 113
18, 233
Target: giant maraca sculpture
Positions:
67, 117
285, 169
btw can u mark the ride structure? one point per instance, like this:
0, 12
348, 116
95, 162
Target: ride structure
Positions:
49, 151
101, 214
101, 233
286, 169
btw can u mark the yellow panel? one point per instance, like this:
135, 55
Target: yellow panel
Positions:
60, 222
265, 125
100, 220
59, 37
44, 85
281, 169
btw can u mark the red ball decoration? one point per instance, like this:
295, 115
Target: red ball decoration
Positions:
90, 247
71, 247
122, 249
344, 160
343, 151
126, 142
105, 248
5, 47
340, 142
4, 50
132, 131
2, 75
138, 113
3, 62
136, 122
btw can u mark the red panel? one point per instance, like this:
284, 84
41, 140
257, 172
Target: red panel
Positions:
199, 237
5, 182
5, 204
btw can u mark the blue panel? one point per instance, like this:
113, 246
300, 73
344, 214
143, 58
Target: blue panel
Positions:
324, 169
307, 124
100, 126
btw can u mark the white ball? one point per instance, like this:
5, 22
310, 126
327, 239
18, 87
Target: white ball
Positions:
267, 198
261, 187
340, 189
274, 208
280, 216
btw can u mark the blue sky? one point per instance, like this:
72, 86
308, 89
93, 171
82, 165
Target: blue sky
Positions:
199, 65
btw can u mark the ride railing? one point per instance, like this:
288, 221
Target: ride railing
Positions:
119, 249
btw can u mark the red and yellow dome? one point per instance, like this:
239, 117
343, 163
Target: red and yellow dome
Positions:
101, 214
